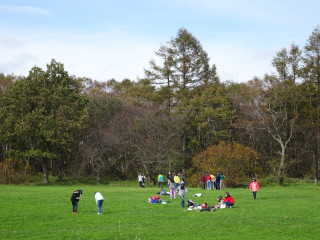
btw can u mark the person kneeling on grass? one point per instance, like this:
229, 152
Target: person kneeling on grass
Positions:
229, 201
75, 199
182, 190
99, 200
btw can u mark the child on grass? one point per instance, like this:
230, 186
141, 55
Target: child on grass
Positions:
99, 200
254, 187
220, 203
182, 190
75, 199
172, 188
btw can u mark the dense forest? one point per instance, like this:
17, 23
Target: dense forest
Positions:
180, 116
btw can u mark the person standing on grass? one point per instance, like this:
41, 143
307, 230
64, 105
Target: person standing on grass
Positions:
203, 181
181, 179
143, 181
75, 199
208, 181
160, 180
221, 181
254, 186
182, 190
169, 176
140, 180
172, 188
176, 181
229, 201
218, 181
212, 180
99, 200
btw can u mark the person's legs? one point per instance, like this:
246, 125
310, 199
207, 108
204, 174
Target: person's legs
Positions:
218, 185
161, 183
74, 206
254, 195
229, 204
182, 201
171, 192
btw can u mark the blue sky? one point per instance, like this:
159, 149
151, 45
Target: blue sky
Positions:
116, 39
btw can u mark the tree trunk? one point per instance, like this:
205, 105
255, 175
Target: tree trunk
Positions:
45, 171
282, 164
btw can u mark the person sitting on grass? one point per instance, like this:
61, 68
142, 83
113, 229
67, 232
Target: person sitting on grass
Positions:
75, 199
229, 201
220, 203
99, 200
182, 190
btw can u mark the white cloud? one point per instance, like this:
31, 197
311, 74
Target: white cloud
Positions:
24, 10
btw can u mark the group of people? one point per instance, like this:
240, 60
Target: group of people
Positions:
212, 182
142, 180
176, 184
76, 197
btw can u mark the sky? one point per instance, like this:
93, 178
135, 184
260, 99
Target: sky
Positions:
108, 39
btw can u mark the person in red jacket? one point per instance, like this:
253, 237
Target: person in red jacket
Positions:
208, 181
229, 201
203, 181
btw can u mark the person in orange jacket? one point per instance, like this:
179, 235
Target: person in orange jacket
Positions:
254, 186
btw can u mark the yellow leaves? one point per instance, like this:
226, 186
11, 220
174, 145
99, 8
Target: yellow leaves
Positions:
236, 161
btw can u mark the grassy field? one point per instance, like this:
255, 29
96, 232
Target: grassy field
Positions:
45, 212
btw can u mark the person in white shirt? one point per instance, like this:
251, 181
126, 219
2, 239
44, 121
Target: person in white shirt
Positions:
99, 200
140, 179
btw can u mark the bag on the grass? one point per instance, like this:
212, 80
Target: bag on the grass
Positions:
204, 205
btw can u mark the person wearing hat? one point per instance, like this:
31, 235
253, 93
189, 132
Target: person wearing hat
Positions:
220, 203
182, 190
254, 186
229, 201
75, 199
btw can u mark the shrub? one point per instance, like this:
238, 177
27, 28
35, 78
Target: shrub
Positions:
237, 162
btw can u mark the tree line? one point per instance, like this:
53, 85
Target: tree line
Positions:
180, 116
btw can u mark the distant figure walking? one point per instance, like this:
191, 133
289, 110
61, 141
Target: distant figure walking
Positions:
75, 199
99, 200
254, 186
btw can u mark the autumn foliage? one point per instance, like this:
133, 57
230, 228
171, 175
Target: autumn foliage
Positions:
237, 162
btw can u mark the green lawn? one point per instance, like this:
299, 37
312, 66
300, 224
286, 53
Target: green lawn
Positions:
45, 212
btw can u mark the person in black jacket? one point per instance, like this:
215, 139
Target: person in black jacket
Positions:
75, 199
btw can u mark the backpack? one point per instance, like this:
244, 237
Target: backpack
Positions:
204, 205
156, 198
191, 203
